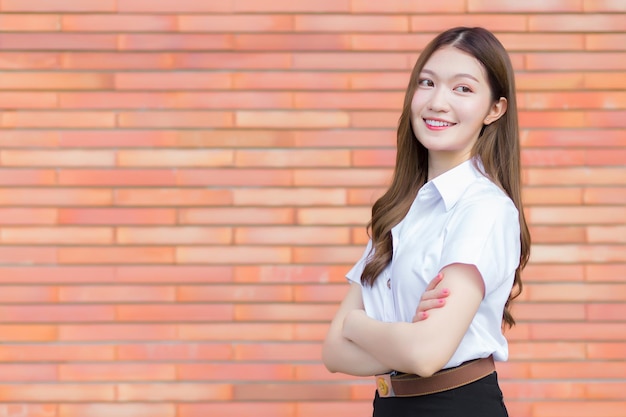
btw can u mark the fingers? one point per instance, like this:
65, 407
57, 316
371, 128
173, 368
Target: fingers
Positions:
434, 282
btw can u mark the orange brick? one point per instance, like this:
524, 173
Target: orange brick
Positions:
574, 137
172, 80
578, 369
547, 351
320, 293
11, 139
29, 409
606, 390
604, 80
28, 333
29, 23
539, 390
353, 138
605, 42
606, 234
439, 23
107, 100
291, 274
119, 410
236, 138
327, 254
173, 235
116, 216
232, 254
576, 176
27, 100
174, 42
107, 332
57, 158
291, 119
236, 215
175, 158
604, 6
117, 23
30, 60
172, 196
407, 42
173, 392
233, 332
115, 60
174, 351
235, 371
376, 158
556, 234
608, 312
234, 177
179, 274
606, 350
317, 372
290, 391
55, 313
577, 332
292, 158
576, 215
236, 23
289, 81
576, 23
350, 61
57, 392
24, 255
52, 197
30, 373
533, 81
534, 6
169, 119
118, 138
373, 119
55, 119
282, 6
292, 235
351, 23
606, 272
54, 275
364, 196
56, 235
288, 197
285, 311
606, 157
552, 195
578, 253
115, 255
57, 41
278, 352
232, 60
54, 352
349, 100
353, 177
598, 61
234, 100
605, 118
23, 294
67, 6
334, 216
236, 409
234, 293
552, 119
549, 157
408, 6
567, 100
26, 177
149, 6
605, 195
115, 294
116, 177
310, 332
104, 372
542, 42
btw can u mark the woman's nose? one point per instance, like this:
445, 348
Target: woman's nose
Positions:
438, 100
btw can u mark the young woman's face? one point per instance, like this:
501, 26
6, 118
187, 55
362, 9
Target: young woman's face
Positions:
451, 103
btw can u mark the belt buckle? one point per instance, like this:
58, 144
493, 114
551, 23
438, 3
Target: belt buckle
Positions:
384, 387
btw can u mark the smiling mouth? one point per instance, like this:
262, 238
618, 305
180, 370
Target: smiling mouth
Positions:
438, 123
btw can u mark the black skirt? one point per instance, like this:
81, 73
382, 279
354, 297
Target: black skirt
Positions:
482, 398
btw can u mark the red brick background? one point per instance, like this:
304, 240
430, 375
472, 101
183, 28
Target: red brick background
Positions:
184, 183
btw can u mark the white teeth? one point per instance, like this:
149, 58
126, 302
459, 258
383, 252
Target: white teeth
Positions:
437, 123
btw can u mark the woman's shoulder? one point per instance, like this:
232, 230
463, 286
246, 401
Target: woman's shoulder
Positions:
485, 197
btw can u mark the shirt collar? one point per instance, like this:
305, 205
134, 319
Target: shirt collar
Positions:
452, 184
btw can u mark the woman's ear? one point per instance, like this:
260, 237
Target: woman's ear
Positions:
497, 110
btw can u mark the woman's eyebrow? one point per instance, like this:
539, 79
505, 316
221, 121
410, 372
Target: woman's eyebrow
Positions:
459, 75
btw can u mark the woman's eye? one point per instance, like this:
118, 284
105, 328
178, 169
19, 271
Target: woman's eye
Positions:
463, 89
425, 82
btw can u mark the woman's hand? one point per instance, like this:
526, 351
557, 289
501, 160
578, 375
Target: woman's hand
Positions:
432, 298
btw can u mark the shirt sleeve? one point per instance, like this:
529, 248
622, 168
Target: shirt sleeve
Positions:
485, 234
355, 273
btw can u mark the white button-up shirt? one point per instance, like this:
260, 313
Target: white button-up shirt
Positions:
458, 217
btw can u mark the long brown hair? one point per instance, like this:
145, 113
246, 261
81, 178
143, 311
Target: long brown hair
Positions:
498, 148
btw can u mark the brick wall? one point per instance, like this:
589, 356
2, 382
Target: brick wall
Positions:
184, 183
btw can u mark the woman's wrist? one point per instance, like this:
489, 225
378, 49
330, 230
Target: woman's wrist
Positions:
351, 323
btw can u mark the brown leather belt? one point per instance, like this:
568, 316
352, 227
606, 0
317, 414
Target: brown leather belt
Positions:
409, 385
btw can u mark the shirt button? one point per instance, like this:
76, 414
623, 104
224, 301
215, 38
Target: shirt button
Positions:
389, 283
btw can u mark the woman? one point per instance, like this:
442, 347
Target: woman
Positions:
448, 236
